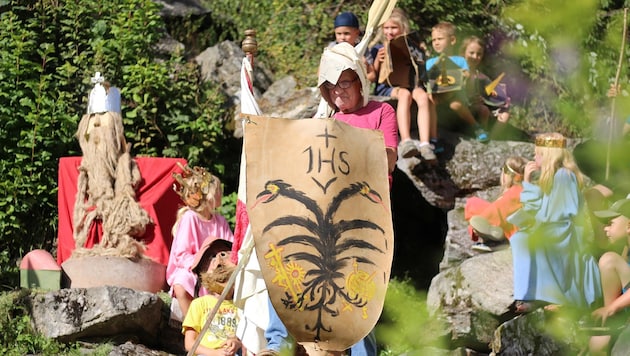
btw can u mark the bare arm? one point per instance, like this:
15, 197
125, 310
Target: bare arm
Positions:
189, 340
392, 157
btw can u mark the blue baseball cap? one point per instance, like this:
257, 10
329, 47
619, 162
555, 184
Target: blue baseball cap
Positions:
346, 19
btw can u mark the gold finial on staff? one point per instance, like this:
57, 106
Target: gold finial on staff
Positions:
249, 45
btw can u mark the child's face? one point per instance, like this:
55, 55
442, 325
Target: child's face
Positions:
391, 29
441, 41
347, 34
538, 158
473, 54
617, 229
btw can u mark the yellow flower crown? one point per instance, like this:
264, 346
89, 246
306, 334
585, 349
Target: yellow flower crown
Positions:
551, 141
194, 184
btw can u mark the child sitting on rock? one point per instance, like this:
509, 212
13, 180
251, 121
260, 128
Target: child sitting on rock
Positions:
615, 276
213, 264
488, 224
201, 191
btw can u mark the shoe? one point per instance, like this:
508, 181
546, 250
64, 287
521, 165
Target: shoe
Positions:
485, 230
481, 247
481, 135
438, 146
427, 153
409, 149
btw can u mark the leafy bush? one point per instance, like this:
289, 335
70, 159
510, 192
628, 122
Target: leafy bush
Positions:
405, 308
50, 51
16, 335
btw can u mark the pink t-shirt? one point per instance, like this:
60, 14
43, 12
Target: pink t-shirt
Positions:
377, 116
191, 232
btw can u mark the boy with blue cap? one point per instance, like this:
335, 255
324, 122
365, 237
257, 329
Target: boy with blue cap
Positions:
347, 28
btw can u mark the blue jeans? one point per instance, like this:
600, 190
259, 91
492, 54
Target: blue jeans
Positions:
277, 336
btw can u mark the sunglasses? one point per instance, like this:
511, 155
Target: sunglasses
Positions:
343, 84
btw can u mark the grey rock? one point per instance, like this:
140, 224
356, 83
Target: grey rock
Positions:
622, 344
78, 313
473, 297
466, 166
131, 349
172, 8
222, 64
538, 333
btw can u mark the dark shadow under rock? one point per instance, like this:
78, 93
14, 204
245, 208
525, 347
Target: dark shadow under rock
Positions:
419, 232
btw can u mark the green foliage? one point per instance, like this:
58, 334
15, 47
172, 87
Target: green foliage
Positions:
291, 35
571, 63
50, 51
405, 308
16, 335
228, 208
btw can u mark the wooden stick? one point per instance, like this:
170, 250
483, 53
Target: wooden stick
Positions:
250, 45
616, 84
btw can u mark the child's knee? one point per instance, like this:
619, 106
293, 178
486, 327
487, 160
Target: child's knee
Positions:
403, 94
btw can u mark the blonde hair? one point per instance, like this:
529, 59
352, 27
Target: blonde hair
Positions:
445, 27
554, 158
472, 39
399, 17
513, 170
206, 184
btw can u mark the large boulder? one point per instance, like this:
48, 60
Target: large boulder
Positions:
222, 64
102, 312
474, 298
539, 333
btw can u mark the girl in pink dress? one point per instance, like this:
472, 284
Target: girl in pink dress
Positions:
197, 220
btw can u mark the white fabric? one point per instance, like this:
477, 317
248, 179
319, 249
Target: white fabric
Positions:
250, 291
334, 61
250, 295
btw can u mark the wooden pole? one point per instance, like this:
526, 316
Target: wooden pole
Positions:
250, 47
611, 127
230, 283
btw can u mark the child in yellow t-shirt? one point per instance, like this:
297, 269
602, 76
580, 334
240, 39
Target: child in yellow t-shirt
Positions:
220, 338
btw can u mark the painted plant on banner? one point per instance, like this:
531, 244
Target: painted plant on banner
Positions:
318, 200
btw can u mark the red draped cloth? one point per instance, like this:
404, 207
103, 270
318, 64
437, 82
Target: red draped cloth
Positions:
155, 194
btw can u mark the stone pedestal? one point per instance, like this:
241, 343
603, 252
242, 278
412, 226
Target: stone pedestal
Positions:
96, 271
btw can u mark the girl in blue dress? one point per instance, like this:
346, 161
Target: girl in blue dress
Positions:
552, 261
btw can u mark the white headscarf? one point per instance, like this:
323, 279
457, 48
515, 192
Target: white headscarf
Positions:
334, 61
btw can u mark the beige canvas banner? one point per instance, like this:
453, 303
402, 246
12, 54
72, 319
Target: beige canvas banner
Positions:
319, 207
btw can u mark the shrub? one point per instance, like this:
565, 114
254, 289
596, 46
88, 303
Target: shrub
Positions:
51, 50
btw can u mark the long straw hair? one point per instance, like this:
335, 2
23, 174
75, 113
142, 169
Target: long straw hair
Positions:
554, 158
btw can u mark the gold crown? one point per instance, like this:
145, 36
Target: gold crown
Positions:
194, 184
547, 140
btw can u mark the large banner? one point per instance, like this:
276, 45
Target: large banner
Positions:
319, 207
